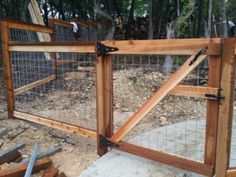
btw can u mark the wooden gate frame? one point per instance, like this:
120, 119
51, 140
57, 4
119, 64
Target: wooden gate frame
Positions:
221, 54
220, 61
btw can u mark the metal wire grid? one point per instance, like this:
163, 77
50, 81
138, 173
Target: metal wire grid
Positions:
176, 125
69, 98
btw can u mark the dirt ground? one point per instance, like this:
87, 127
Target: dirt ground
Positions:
76, 104
72, 160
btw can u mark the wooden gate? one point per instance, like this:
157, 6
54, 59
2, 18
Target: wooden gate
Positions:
217, 93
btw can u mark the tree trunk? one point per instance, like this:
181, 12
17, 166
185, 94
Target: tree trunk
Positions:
224, 31
209, 21
130, 19
150, 28
168, 64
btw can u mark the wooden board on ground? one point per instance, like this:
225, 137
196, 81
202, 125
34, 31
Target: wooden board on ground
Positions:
19, 171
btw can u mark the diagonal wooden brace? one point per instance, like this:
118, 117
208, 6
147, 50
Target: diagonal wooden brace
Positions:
174, 79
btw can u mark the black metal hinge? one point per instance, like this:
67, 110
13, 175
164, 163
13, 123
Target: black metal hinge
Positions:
202, 51
216, 97
104, 142
103, 49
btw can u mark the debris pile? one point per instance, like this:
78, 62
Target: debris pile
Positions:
12, 163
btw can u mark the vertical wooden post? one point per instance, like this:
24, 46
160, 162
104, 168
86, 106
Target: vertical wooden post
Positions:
104, 100
226, 107
7, 68
212, 111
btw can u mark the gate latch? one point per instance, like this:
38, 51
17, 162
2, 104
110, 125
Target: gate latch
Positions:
216, 97
103, 49
202, 51
104, 142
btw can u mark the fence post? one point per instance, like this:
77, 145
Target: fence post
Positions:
7, 68
226, 107
212, 111
104, 100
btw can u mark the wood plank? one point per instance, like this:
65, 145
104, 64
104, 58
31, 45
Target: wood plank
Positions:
19, 171
172, 160
104, 99
51, 172
231, 173
28, 26
53, 47
214, 63
7, 68
193, 91
59, 22
166, 46
56, 124
35, 84
38, 19
167, 86
226, 107
11, 157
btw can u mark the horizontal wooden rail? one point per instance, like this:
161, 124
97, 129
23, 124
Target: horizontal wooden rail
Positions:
166, 46
193, 91
56, 124
172, 160
231, 173
81, 47
59, 22
34, 85
28, 26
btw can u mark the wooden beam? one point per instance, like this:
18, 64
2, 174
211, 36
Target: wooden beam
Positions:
11, 157
166, 46
56, 124
28, 26
231, 173
104, 100
7, 68
172, 160
214, 63
168, 85
226, 107
19, 171
35, 84
54, 47
38, 19
59, 22
193, 91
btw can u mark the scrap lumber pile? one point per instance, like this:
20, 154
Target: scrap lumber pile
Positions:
13, 165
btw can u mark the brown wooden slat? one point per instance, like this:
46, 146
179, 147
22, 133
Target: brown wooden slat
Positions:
193, 91
60, 23
166, 47
56, 124
20, 170
10, 157
173, 80
214, 63
7, 68
34, 85
226, 107
172, 160
231, 173
53, 47
29, 27
104, 99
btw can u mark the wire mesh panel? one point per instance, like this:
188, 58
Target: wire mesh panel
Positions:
176, 125
66, 93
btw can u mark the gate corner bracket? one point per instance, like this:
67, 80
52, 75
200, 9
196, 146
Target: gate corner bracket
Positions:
104, 142
103, 49
217, 97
